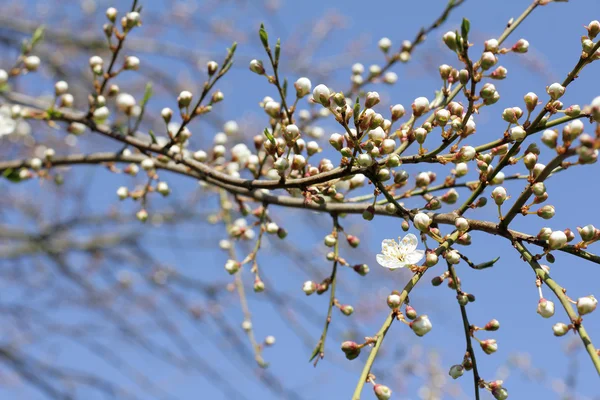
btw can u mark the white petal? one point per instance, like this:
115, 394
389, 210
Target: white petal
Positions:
414, 257
388, 245
409, 243
389, 262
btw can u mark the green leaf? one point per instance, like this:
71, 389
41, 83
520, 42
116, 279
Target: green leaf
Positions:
277, 51
12, 175
38, 34
264, 37
147, 94
285, 86
356, 110
152, 137
459, 43
269, 136
465, 28
487, 264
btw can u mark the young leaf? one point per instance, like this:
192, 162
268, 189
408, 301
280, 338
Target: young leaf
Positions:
264, 37
12, 175
147, 94
269, 136
38, 34
277, 51
464, 29
152, 137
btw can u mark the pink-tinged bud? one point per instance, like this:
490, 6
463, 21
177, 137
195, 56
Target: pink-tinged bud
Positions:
410, 313
394, 300
184, 99
530, 160
232, 266
586, 305
382, 392
560, 329
499, 73
369, 213
421, 325
489, 346
593, 29
456, 371
351, 350
545, 308
556, 90
517, 133
257, 67
431, 259
538, 189
500, 393
461, 224
361, 269
493, 325
491, 45
512, 114
466, 153
450, 39
321, 95
549, 138
397, 112
309, 287
347, 309
544, 234
442, 117
420, 106
336, 141
588, 232
488, 60
353, 241
573, 111
372, 99
557, 240
548, 212
531, 101
521, 46
259, 286
422, 222
452, 257
303, 87
499, 195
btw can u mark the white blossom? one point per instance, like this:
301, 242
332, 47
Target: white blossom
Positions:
399, 255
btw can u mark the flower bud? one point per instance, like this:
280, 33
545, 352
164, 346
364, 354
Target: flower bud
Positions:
556, 90
431, 259
491, 45
32, 63
126, 103
461, 224
421, 325
321, 95
463, 76
557, 240
422, 222
410, 313
372, 99
587, 233
142, 215
420, 106
549, 138
593, 29
500, 393
586, 305
384, 44
493, 325
488, 60
347, 310
499, 195
131, 63
560, 329
521, 46
257, 67
184, 99
547, 212
489, 346
452, 257
397, 111
351, 350
361, 269
466, 153
309, 287
330, 240
499, 73
545, 308
303, 87
382, 392
450, 39
456, 371
364, 160
517, 133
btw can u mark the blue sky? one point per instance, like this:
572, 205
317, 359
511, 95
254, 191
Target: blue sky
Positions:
506, 292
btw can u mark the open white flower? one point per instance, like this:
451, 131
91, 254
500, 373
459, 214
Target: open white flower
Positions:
399, 255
